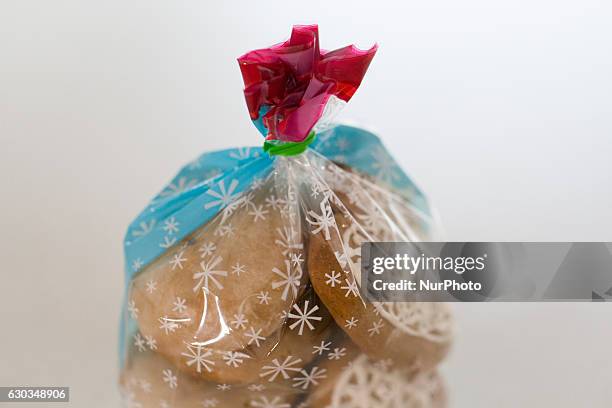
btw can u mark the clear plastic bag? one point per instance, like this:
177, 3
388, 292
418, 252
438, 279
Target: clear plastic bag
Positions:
243, 284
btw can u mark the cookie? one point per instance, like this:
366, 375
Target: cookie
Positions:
224, 288
150, 381
406, 333
363, 383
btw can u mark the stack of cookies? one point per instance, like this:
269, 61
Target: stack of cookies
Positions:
260, 307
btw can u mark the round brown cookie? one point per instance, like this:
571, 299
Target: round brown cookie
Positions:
224, 288
407, 333
404, 333
358, 383
150, 381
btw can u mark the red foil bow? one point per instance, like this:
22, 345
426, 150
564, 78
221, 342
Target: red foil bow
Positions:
290, 83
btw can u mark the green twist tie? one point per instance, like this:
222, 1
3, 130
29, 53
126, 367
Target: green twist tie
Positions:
279, 148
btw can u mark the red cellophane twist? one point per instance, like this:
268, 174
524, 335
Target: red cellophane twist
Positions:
290, 83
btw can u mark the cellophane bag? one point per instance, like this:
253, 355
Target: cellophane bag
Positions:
243, 273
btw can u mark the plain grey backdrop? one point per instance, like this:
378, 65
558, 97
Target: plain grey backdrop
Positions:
500, 110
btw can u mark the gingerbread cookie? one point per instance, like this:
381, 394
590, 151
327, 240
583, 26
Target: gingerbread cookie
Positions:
408, 333
150, 381
360, 382
224, 288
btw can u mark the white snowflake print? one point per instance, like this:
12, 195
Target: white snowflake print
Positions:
256, 183
290, 280
144, 228
376, 311
254, 336
234, 358
264, 297
303, 317
197, 354
210, 403
230, 230
351, 288
179, 305
133, 309
351, 323
258, 213
320, 187
332, 279
167, 242
168, 325
342, 144
177, 260
315, 189
181, 185
337, 354
209, 272
145, 386
375, 329
232, 207
245, 201
238, 269
256, 387
322, 222
239, 321
224, 197
275, 203
169, 378
151, 342
384, 364
171, 225
240, 153
264, 402
319, 350
139, 342
212, 173
137, 264
194, 164
276, 367
355, 197
309, 378
340, 158
297, 259
129, 401
207, 249
225, 230
286, 211
224, 387
288, 240
151, 286
385, 167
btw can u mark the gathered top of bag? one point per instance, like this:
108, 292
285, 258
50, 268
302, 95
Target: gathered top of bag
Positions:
294, 86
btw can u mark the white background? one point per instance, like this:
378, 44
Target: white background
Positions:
501, 111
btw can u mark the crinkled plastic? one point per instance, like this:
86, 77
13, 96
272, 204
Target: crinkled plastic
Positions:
243, 274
